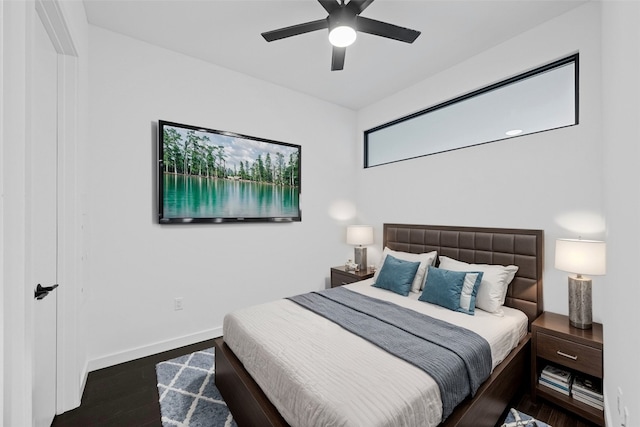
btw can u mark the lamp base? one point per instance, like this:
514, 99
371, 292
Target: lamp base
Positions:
360, 258
580, 302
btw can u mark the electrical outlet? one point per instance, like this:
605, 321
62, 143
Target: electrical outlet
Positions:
177, 304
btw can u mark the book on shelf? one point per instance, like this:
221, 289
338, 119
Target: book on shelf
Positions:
596, 398
560, 389
555, 380
588, 387
559, 374
588, 401
563, 386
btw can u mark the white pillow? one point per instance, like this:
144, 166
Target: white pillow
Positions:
426, 259
495, 282
467, 292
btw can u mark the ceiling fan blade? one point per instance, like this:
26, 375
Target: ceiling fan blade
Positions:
357, 6
294, 30
384, 29
329, 5
337, 58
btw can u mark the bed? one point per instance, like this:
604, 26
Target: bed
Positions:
523, 248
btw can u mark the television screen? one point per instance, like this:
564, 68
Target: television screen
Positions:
208, 175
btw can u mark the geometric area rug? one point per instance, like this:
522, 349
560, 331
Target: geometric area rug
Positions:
187, 392
518, 419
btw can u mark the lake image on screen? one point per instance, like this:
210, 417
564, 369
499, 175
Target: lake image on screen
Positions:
209, 175
193, 197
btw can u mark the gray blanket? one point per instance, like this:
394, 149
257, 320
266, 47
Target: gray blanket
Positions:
458, 359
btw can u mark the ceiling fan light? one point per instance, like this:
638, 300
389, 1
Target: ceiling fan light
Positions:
342, 36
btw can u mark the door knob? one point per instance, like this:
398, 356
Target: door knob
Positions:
43, 291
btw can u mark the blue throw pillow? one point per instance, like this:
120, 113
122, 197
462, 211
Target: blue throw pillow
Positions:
445, 288
396, 275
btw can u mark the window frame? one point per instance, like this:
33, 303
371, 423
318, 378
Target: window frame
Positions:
574, 58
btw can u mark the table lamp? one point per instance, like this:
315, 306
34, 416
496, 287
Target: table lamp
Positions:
360, 235
580, 257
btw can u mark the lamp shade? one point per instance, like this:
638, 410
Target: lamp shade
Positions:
359, 234
581, 256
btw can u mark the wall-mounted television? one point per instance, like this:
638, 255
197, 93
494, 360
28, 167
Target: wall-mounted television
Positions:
213, 176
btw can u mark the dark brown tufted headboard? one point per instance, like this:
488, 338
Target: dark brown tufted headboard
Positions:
524, 248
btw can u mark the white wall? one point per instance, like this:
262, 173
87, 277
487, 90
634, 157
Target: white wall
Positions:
621, 108
137, 267
550, 181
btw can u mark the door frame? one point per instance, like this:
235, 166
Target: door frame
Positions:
17, 21
69, 383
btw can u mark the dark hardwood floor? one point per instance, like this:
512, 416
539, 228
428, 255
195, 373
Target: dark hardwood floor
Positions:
126, 395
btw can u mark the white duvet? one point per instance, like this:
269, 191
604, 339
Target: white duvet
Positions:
318, 374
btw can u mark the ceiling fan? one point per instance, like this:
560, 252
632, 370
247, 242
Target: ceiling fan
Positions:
343, 22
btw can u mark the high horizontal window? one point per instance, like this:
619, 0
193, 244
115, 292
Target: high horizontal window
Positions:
538, 100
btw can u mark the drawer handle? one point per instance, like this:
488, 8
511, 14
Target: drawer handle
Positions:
567, 355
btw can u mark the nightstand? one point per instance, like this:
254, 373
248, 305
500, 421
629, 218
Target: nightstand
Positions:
555, 341
340, 276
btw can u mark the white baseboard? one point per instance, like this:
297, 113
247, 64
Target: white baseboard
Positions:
148, 350
83, 377
83, 382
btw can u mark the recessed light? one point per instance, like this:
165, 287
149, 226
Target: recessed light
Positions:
513, 132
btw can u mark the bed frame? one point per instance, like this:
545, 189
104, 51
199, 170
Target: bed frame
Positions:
524, 248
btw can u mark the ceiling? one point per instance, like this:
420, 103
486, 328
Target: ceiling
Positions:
227, 33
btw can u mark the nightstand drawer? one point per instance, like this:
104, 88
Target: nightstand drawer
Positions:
339, 279
570, 354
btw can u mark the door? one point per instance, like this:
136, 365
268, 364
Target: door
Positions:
42, 223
